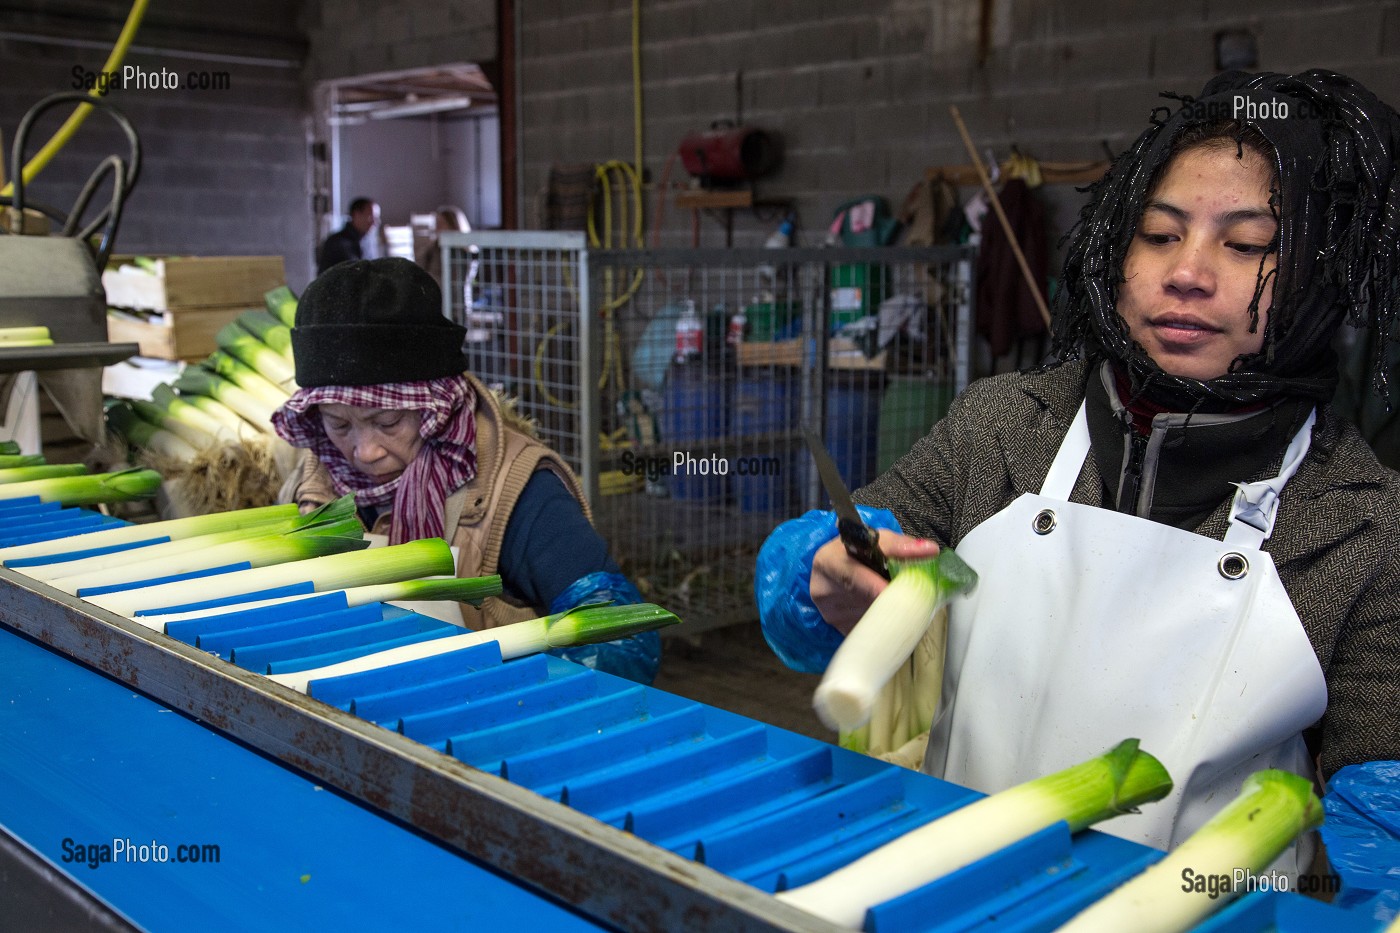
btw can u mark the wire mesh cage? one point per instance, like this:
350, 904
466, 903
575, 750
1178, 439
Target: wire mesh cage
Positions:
677, 383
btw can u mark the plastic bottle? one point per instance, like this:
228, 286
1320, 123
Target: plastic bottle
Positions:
690, 334
738, 324
782, 237
768, 273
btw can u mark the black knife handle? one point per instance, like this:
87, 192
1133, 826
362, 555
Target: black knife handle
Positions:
863, 544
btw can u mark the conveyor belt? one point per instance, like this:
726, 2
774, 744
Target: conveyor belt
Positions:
674, 815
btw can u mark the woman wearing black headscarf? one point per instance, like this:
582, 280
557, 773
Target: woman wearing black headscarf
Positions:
1177, 538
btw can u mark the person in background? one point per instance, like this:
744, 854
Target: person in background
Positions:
1177, 537
445, 219
347, 243
389, 414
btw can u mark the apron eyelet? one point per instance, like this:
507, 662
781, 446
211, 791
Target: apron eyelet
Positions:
1233, 566
1044, 522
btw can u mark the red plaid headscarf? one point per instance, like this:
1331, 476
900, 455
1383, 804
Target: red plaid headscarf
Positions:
445, 462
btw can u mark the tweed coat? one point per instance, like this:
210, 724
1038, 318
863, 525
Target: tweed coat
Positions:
1336, 540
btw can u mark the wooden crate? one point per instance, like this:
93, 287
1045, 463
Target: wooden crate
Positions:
188, 282
840, 354
177, 335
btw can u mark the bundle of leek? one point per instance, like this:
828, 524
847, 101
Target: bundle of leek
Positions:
223, 424
123, 420
246, 378
424, 558
198, 381
585, 625
1272, 810
122, 486
886, 636
1103, 787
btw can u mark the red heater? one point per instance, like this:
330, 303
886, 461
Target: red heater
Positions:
730, 155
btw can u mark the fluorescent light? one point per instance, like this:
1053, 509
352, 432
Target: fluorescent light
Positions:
420, 107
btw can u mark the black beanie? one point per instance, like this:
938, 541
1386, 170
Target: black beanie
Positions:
372, 322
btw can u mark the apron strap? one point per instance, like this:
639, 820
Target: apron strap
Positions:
1256, 504
1059, 482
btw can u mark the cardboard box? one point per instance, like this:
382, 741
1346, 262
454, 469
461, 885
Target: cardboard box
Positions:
186, 282
176, 335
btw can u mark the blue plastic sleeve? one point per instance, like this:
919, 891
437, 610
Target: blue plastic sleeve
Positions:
636, 657
795, 630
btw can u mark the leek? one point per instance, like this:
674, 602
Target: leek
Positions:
886, 636
174, 529
1103, 787
160, 417
582, 626
241, 427
202, 552
1215, 862
263, 551
122, 486
197, 380
234, 340
180, 410
29, 336
269, 330
246, 378
10, 461
422, 558
447, 589
282, 304
43, 471
9, 447
122, 419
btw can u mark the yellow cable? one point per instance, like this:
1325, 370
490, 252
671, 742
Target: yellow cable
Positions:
60, 138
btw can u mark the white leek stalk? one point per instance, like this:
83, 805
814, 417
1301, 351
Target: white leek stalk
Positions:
886, 636
1272, 809
1103, 787
426, 557
241, 427
585, 625
27, 336
198, 438
454, 589
175, 529
122, 486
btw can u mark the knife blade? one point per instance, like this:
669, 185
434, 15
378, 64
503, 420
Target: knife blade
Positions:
860, 540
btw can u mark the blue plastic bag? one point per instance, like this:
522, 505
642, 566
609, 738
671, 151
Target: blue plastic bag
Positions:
795, 630
636, 657
1362, 835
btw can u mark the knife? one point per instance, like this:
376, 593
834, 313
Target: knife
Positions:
860, 540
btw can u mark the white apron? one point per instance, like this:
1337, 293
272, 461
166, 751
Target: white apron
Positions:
1089, 626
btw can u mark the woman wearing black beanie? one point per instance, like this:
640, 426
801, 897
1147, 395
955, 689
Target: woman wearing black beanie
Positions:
391, 415
1178, 539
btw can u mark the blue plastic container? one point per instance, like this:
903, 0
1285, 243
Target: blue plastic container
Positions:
693, 411
852, 426
763, 403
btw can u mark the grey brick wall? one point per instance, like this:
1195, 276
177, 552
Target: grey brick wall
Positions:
860, 91
224, 171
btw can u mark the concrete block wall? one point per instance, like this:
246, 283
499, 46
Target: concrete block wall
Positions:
224, 171
860, 91
358, 37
